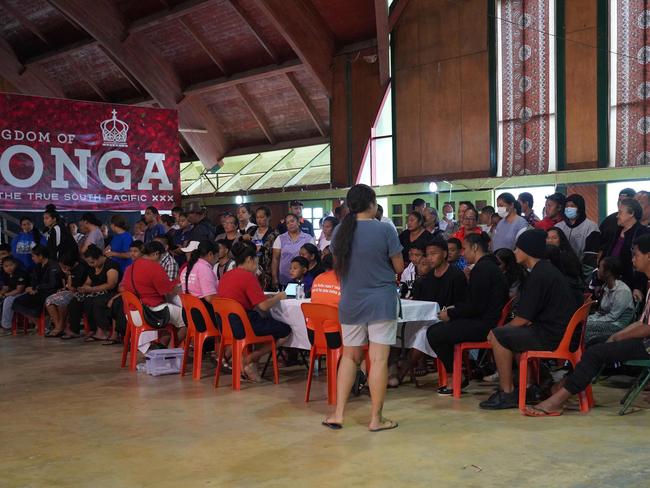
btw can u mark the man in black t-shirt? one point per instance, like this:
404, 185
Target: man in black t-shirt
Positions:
543, 313
445, 284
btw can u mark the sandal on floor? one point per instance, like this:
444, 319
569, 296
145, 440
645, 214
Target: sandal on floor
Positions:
111, 342
92, 338
540, 412
332, 425
58, 334
386, 425
67, 337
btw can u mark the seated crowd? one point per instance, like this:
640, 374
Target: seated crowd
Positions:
471, 267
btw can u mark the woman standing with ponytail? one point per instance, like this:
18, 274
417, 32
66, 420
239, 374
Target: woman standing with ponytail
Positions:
59, 240
367, 256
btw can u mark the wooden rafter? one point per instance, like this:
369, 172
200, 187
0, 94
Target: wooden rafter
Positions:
248, 22
200, 39
141, 59
23, 20
307, 34
181, 10
395, 13
121, 69
381, 20
61, 51
89, 81
32, 80
256, 113
309, 106
243, 77
311, 141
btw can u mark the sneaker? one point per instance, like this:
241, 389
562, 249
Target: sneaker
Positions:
446, 391
501, 400
4, 332
493, 378
535, 394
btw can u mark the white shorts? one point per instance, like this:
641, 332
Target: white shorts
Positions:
378, 332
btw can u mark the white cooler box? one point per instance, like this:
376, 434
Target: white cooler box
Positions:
162, 361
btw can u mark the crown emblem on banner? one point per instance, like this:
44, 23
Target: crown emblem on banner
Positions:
114, 131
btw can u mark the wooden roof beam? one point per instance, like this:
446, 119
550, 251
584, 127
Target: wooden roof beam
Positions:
290, 144
198, 36
381, 20
251, 26
306, 102
256, 113
243, 77
61, 51
307, 34
140, 58
30, 80
395, 12
23, 20
181, 10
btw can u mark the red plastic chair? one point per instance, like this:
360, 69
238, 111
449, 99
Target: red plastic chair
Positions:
459, 350
323, 320
193, 335
562, 352
135, 326
226, 308
20, 320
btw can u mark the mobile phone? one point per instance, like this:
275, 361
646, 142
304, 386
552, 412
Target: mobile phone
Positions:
291, 290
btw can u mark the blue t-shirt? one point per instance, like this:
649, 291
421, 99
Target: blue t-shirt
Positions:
151, 233
121, 243
369, 289
21, 249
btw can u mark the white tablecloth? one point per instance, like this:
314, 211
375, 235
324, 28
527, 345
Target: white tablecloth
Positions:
416, 314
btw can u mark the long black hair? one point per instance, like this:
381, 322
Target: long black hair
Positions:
205, 248
513, 271
510, 199
359, 199
566, 260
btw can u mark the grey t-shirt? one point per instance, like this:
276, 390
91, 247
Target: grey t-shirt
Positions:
505, 234
94, 237
369, 290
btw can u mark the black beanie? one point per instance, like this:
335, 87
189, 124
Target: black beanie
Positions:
533, 243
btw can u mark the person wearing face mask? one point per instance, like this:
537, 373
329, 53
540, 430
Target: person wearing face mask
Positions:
447, 224
511, 223
578, 228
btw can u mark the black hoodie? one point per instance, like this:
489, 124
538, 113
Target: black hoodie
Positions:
487, 292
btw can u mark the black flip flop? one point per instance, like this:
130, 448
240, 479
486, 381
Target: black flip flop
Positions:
93, 339
332, 425
111, 342
58, 334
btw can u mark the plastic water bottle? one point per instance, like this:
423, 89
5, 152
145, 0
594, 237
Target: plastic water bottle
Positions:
300, 292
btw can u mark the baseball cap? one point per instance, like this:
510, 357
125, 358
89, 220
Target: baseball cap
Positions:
191, 247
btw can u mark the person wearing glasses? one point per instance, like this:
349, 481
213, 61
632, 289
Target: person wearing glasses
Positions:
469, 225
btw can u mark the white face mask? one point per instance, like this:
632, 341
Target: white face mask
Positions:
449, 216
502, 211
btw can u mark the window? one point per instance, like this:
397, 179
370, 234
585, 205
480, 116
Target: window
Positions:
613, 189
629, 95
377, 168
313, 215
526, 87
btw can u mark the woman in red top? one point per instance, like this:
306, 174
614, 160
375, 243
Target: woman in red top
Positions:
470, 219
147, 279
241, 285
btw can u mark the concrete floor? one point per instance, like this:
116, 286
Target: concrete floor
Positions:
72, 418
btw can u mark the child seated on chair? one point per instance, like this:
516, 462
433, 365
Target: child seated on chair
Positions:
298, 270
14, 281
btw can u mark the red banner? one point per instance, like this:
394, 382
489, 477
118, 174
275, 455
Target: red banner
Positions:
86, 156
